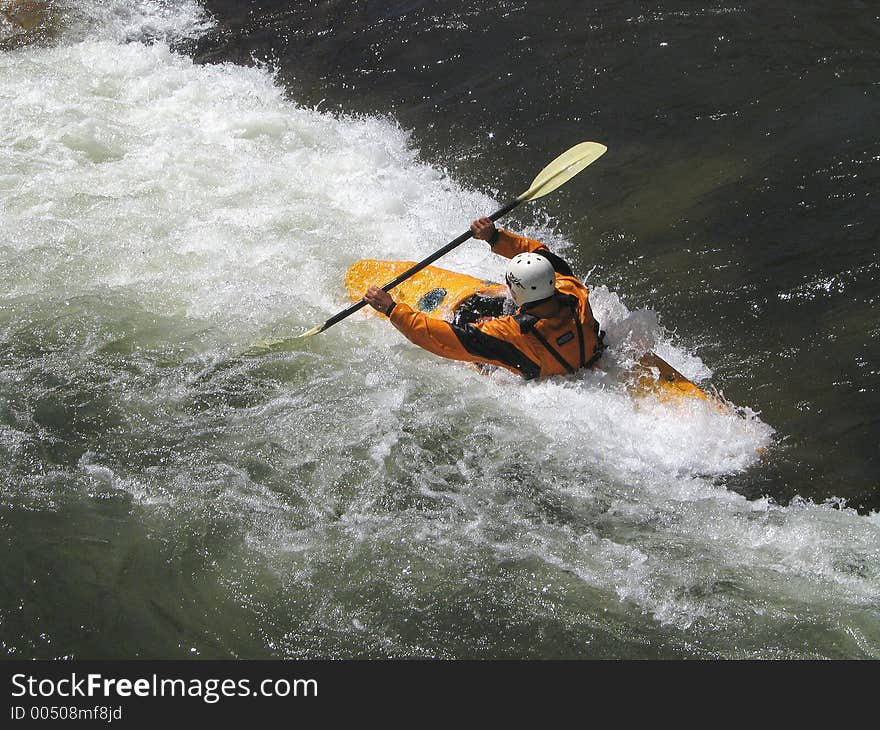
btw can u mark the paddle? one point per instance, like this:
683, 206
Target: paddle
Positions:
558, 172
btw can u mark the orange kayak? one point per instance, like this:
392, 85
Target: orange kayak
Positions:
461, 298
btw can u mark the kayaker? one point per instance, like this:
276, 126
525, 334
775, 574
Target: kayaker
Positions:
552, 333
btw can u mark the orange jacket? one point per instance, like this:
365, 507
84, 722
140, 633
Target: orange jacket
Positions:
514, 342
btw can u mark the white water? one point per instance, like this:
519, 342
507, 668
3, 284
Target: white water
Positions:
157, 216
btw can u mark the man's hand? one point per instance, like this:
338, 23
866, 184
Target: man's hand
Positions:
484, 229
379, 299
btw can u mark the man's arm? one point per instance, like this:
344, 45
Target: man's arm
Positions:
467, 344
508, 244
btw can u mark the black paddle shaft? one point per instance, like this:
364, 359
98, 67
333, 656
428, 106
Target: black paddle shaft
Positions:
419, 266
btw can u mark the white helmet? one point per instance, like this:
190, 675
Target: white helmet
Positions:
530, 277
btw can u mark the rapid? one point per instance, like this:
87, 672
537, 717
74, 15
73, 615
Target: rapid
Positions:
353, 496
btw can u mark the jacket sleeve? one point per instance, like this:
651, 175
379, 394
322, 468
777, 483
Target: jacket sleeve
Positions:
510, 244
468, 344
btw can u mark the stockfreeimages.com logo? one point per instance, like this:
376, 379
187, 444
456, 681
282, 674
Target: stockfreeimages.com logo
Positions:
209, 690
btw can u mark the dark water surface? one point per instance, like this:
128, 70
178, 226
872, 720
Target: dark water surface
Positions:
738, 198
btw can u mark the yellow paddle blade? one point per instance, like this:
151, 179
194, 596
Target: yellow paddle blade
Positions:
264, 347
312, 331
563, 168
